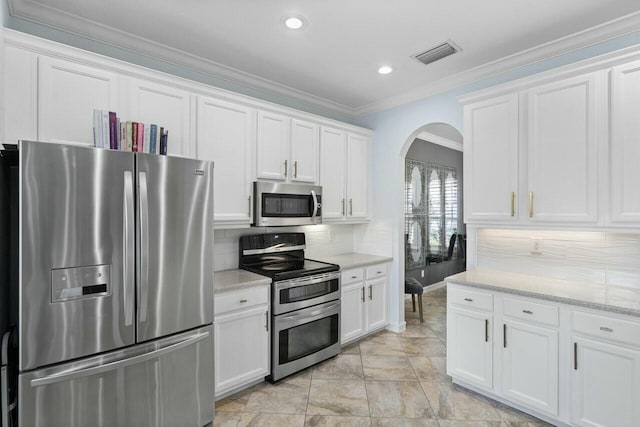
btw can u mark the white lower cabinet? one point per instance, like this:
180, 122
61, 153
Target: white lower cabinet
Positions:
566, 364
363, 302
530, 365
242, 340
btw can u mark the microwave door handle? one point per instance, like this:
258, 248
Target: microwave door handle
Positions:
315, 204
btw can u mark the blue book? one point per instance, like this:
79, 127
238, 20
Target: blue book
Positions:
153, 138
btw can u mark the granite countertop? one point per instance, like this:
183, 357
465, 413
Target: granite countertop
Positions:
229, 280
354, 260
607, 298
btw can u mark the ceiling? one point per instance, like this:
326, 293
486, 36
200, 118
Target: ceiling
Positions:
333, 61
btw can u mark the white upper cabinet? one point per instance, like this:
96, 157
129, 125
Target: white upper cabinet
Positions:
68, 94
358, 160
562, 150
333, 172
273, 146
625, 144
226, 135
491, 160
20, 95
167, 107
304, 151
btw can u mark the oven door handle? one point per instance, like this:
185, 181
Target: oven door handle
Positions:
306, 315
284, 284
315, 204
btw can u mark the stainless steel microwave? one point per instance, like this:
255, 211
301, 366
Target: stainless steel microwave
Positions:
278, 204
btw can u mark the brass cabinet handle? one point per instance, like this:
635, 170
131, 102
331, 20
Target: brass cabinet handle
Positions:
486, 330
249, 210
286, 168
363, 294
504, 335
370, 292
351, 207
513, 203
295, 169
266, 320
530, 204
343, 208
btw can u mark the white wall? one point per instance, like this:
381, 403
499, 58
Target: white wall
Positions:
322, 241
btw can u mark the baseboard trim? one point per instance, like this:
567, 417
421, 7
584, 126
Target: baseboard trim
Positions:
397, 327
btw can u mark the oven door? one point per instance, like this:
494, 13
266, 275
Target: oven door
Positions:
287, 204
304, 338
294, 294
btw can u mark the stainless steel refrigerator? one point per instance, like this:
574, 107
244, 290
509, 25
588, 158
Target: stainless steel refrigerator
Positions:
110, 296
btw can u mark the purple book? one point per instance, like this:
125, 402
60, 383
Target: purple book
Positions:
113, 142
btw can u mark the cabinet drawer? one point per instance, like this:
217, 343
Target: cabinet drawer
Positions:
471, 299
240, 299
376, 271
528, 310
606, 327
352, 276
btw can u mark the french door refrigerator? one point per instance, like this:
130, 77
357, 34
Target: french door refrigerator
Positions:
110, 301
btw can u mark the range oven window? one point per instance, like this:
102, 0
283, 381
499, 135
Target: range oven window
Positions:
287, 205
301, 341
305, 292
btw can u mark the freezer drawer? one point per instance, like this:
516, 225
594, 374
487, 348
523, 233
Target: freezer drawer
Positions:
167, 382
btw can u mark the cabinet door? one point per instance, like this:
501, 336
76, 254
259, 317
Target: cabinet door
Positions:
304, 151
165, 107
470, 353
20, 95
625, 143
352, 312
273, 146
68, 94
605, 385
563, 151
358, 176
226, 136
491, 160
333, 173
530, 366
241, 348
376, 303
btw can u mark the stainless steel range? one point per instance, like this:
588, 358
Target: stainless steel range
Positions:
305, 300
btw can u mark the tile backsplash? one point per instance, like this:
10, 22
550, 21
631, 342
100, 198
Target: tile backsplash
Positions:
322, 241
595, 257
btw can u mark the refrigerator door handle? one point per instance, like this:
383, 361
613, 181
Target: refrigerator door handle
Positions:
143, 296
128, 254
73, 374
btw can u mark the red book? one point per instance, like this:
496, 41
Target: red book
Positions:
134, 137
140, 137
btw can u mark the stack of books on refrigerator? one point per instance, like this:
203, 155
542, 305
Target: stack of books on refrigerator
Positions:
111, 133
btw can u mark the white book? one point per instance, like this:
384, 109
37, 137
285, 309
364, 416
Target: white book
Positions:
146, 140
97, 128
106, 142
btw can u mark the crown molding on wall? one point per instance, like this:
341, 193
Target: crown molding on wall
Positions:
440, 140
34, 11
39, 13
572, 42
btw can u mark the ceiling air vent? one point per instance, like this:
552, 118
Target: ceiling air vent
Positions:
437, 53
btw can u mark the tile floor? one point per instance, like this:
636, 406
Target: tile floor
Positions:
384, 380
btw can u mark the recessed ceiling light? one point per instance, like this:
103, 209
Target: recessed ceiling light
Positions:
385, 69
294, 22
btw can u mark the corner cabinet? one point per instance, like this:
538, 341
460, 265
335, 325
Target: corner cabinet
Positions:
345, 160
363, 302
555, 361
226, 135
491, 158
242, 338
